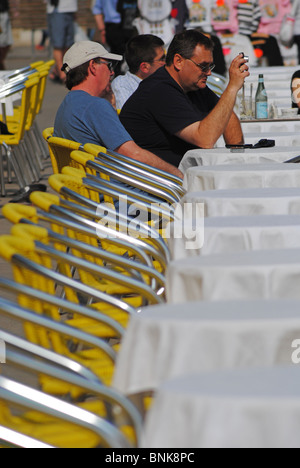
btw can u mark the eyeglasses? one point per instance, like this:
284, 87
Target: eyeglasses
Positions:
110, 65
204, 68
163, 59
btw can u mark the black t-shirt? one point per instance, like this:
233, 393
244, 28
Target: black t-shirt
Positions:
159, 109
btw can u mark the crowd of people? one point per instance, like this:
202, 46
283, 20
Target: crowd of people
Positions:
253, 24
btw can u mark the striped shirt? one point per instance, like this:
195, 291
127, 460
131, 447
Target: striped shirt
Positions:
248, 14
124, 86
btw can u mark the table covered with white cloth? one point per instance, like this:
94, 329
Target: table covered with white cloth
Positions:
280, 125
241, 202
260, 274
226, 234
242, 176
280, 138
212, 157
166, 341
252, 408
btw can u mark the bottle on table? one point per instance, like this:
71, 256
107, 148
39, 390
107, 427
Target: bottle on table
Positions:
261, 100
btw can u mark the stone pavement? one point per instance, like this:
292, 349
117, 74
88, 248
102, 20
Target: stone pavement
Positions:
20, 57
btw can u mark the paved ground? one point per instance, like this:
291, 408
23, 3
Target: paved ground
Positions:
18, 58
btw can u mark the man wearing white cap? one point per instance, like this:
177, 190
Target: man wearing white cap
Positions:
86, 116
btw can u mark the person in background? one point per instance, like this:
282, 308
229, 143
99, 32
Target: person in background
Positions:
180, 14
144, 54
128, 10
295, 90
173, 111
249, 16
61, 18
297, 28
41, 45
108, 22
86, 116
6, 39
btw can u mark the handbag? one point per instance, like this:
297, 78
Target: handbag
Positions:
286, 34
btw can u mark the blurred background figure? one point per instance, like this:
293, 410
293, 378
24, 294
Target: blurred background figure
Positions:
45, 36
6, 39
128, 10
61, 29
297, 27
109, 28
108, 22
156, 17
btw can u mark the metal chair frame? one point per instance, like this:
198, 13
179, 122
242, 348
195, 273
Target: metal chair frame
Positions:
29, 398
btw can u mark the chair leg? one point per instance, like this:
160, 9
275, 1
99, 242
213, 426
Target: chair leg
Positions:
19, 169
42, 144
27, 162
2, 179
29, 152
40, 152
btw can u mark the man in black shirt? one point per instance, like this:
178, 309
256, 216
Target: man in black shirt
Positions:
174, 111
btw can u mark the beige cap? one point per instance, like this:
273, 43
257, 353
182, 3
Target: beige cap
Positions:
84, 51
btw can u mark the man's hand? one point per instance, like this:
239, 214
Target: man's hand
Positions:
238, 71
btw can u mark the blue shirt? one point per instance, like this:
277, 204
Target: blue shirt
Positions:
87, 119
107, 8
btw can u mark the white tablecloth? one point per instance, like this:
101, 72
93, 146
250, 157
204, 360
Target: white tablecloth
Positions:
201, 157
243, 202
272, 126
281, 138
234, 234
167, 341
260, 274
258, 408
242, 176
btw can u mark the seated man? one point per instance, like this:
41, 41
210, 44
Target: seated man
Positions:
144, 54
174, 111
85, 116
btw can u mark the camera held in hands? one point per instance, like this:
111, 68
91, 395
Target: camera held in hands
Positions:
245, 56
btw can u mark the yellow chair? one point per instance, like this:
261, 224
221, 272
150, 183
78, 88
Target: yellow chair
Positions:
63, 425
35, 269
77, 189
125, 278
97, 151
46, 369
83, 243
159, 190
13, 145
60, 150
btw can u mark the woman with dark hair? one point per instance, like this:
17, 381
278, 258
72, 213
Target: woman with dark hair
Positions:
295, 90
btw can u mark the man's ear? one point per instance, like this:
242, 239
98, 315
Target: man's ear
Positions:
92, 67
178, 61
144, 68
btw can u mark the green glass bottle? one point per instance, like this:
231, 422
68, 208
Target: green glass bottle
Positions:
261, 100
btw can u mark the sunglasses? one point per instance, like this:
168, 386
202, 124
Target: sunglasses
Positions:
204, 68
110, 65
